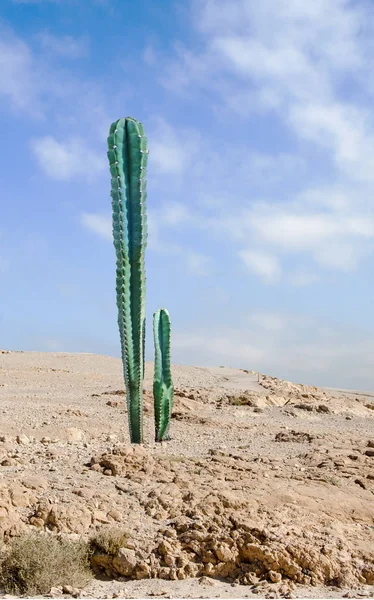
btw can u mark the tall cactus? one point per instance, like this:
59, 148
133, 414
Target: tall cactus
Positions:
162, 383
127, 156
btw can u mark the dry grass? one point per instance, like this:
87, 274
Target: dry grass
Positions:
241, 400
36, 562
109, 540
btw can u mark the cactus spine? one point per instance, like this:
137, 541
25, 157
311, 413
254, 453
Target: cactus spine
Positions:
127, 154
162, 383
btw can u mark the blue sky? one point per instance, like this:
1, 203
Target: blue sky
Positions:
260, 180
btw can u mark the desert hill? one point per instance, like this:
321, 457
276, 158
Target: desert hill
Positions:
267, 487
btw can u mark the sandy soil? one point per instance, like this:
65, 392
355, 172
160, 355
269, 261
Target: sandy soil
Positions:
266, 488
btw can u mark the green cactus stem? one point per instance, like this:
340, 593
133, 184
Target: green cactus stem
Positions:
127, 156
163, 390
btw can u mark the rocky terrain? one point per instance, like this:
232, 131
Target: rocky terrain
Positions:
266, 488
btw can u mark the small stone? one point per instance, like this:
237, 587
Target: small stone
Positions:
72, 591
6, 439
206, 581
37, 522
100, 516
55, 592
370, 444
9, 462
369, 452
115, 514
35, 483
275, 577
125, 561
22, 439
72, 434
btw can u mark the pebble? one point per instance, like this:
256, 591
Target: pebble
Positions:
69, 589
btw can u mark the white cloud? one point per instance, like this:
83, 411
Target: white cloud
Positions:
198, 263
267, 321
227, 348
289, 346
333, 229
266, 266
171, 151
66, 160
310, 65
302, 278
100, 224
20, 80
31, 84
66, 46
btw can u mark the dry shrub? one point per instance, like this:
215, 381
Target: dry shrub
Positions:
108, 540
36, 562
241, 400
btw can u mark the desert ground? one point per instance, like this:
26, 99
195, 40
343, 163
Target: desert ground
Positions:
266, 488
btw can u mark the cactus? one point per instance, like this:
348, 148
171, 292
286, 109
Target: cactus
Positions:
127, 156
162, 383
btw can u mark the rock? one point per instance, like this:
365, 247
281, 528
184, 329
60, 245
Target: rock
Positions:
294, 436
115, 514
69, 518
165, 548
5, 438
21, 497
37, 522
72, 591
207, 581
95, 467
9, 462
55, 592
127, 461
369, 452
22, 439
223, 553
10, 523
99, 515
275, 577
370, 444
125, 562
142, 571
73, 435
35, 483
45, 440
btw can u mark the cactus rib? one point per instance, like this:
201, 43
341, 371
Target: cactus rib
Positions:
127, 154
162, 384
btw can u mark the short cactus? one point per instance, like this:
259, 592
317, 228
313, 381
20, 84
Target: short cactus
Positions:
127, 156
163, 390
